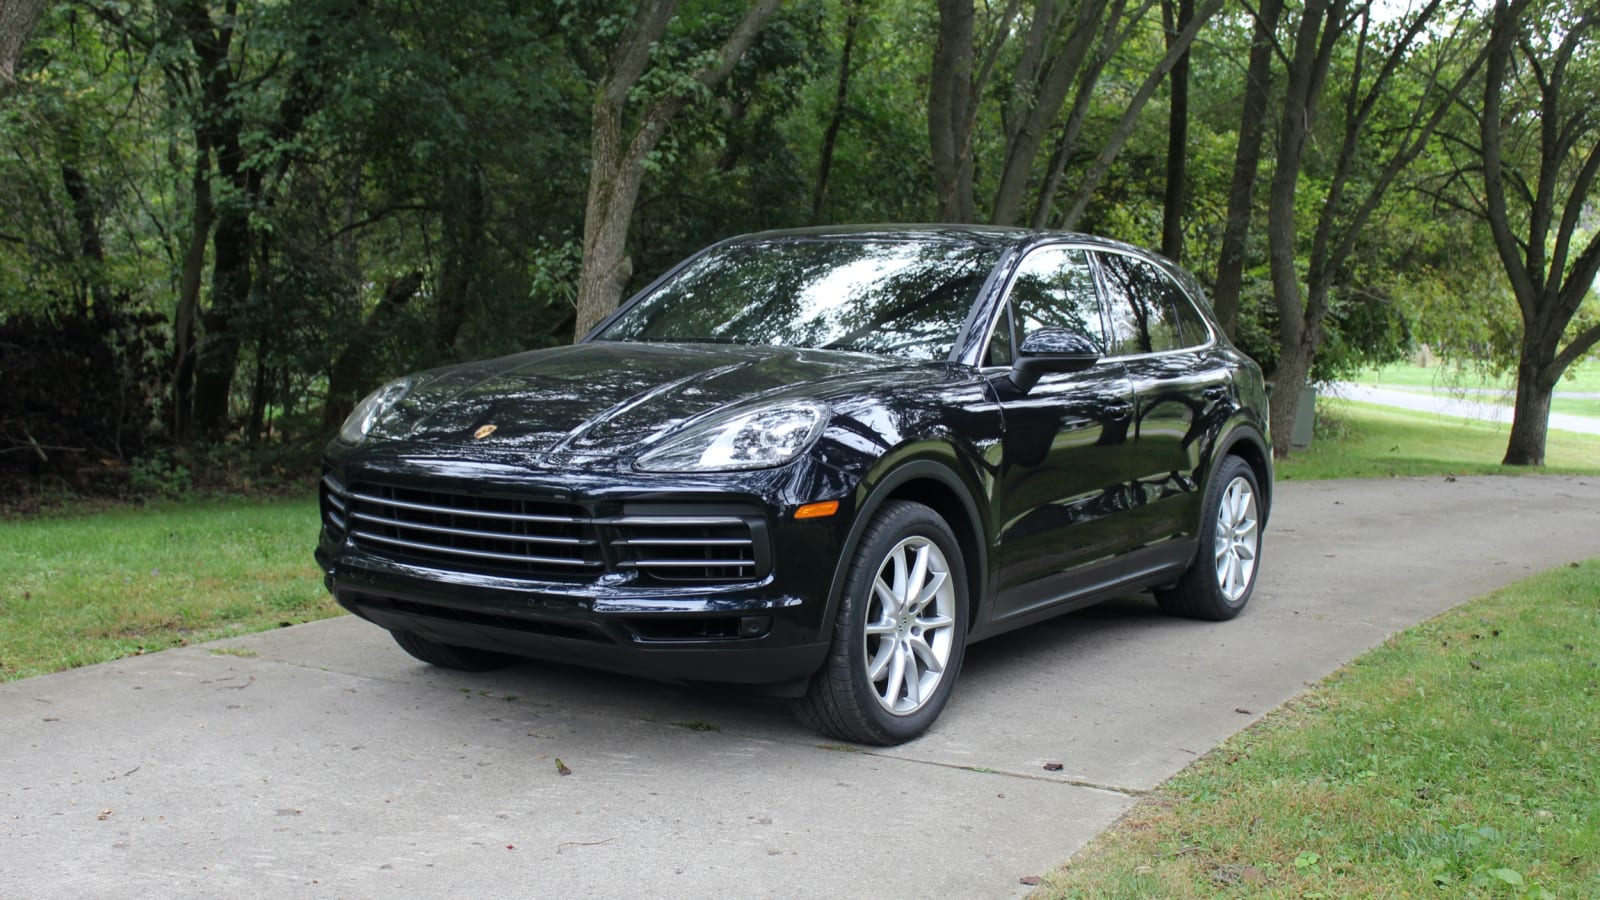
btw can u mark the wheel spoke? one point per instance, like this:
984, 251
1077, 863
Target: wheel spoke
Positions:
919, 577
880, 661
880, 628
913, 676
896, 677
886, 596
935, 583
930, 660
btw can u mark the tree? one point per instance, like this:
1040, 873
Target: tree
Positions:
841, 98
1176, 17
617, 158
1541, 151
1359, 178
1246, 162
17, 19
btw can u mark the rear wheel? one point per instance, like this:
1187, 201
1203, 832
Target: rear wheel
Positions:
1219, 581
900, 634
450, 656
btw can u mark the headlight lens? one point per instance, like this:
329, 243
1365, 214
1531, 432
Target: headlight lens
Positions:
369, 411
759, 439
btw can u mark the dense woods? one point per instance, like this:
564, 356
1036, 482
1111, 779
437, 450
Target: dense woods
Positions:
222, 222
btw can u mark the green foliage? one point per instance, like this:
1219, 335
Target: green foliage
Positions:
446, 144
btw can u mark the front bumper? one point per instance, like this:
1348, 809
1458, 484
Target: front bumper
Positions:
765, 629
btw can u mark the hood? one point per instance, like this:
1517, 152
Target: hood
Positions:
611, 398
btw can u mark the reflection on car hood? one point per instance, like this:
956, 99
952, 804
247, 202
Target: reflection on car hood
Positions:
611, 398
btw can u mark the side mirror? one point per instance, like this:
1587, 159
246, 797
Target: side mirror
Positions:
1052, 350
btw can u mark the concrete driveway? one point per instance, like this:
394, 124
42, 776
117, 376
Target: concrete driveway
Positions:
320, 761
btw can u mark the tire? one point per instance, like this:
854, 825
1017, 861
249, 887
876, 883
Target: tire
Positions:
450, 656
893, 663
1219, 582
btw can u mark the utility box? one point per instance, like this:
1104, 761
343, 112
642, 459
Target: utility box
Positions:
1305, 419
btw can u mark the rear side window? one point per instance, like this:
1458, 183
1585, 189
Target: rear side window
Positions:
1149, 313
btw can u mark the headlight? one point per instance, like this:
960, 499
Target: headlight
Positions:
760, 439
369, 411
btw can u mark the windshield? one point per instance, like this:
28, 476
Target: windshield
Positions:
902, 297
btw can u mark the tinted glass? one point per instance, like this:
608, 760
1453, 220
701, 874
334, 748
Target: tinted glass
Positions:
907, 298
1144, 305
1054, 288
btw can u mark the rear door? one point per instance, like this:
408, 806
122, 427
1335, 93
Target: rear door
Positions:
1162, 344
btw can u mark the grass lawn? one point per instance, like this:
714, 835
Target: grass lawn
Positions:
1581, 378
1462, 758
1498, 391
81, 589
1358, 440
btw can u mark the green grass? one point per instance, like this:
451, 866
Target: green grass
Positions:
1579, 378
1357, 440
1461, 758
82, 589
1497, 391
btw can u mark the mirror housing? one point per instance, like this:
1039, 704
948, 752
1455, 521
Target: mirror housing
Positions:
1052, 350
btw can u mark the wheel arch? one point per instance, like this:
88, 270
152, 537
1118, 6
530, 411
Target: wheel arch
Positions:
1247, 443
937, 486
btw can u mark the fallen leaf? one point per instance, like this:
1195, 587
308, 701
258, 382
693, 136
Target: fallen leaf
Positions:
1241, 711
561, 767
511, 846
1052, 767
1030, 880
104, 814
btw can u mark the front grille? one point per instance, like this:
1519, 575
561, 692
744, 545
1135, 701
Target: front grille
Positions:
705, 548
543, 539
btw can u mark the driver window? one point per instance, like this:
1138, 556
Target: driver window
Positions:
1055, 288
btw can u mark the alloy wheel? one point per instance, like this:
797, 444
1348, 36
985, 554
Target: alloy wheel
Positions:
1237, 539
910, 626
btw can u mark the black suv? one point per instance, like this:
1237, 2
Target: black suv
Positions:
819, 461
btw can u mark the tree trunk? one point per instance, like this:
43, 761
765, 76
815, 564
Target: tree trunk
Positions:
463, 254
1044, 95
1530, 419
218, 353
1130, 117
1296, 341
841, 97
950, 106
1177, 134
188, 306
617, 161
351, 369
1111, 38
1288, 380
1246, 162
17, 20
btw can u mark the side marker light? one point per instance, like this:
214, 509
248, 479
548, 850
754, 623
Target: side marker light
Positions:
817, 510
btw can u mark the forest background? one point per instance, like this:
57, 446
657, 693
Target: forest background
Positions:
222, 223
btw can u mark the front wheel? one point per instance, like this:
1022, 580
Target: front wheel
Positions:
900, 634
1219, 581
